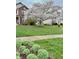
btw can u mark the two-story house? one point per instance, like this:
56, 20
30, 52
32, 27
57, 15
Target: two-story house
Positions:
21, 10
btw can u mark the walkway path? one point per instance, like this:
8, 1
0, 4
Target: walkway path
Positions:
32, 38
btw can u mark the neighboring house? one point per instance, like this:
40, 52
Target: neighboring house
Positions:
21, 11
52, 21
48, 21
57, 16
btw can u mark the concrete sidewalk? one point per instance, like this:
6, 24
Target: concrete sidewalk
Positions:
33, 38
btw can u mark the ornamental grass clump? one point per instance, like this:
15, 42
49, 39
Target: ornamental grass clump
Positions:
42, 54
25, 43
22, 48
32, 56
26, 51
17, 54
35, 48
30, 44
18, 44
17, 57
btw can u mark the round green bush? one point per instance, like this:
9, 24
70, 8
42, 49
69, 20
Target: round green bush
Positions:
17, 54
42, 54
35, 47
32, 56
17, 57
22, 48
18, 43
30, 44
26, 51
25, 43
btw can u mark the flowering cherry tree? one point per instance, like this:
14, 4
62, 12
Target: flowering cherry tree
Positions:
44, 11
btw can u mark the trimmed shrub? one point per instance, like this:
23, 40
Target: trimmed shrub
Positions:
35, 48
22, 48
18, 43
17, 54
54, 24
25, 43
32, 56
17, 57
30, 44
30, 21
42, 54
61, 23
26, 51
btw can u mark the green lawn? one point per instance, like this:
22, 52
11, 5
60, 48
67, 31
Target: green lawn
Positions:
53, 46
24, 30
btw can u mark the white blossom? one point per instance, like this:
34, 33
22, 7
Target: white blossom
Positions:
46, 11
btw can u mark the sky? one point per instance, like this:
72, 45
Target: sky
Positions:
30, 2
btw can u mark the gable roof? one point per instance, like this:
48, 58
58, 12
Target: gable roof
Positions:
20, 4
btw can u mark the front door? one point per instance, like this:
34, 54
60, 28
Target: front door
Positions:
17, 20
